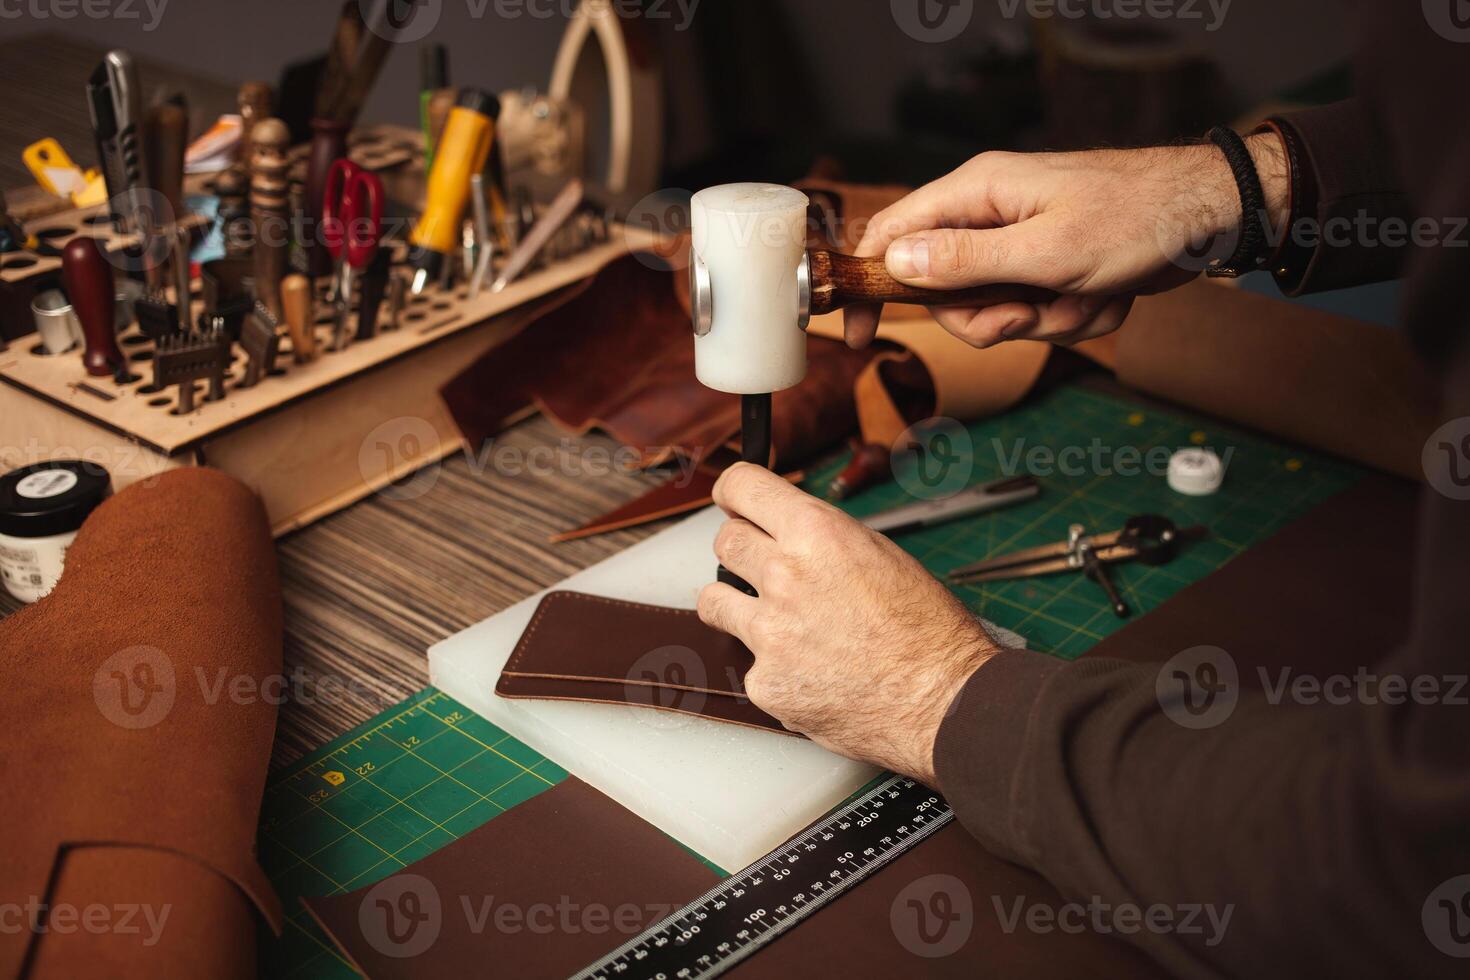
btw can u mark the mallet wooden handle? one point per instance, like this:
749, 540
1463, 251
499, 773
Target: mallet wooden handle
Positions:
841, 280
88, 279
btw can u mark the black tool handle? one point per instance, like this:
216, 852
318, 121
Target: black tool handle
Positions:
328, 145
374, 287
1098, 572
755, 447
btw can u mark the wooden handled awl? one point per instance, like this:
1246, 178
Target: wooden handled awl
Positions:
270, 209
296, 297
88, 278
839, 281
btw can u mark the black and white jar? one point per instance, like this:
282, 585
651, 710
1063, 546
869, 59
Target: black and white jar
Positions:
42, 506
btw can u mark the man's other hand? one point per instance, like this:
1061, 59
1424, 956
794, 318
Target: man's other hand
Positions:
856, 645
1100, 227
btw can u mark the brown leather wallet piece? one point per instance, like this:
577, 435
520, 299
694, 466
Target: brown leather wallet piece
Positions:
540, 891
582, 647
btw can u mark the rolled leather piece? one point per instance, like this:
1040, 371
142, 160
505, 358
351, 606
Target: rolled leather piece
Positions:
581, 647
138, 740
1344, 386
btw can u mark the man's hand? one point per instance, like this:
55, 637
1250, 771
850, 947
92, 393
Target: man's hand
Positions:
1102, 228
856, 646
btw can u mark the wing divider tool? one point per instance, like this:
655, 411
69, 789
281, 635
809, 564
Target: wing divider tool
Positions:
1147, 538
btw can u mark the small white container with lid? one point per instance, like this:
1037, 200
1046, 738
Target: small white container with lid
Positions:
42, 506
1195, 472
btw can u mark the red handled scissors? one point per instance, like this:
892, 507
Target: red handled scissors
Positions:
352, 224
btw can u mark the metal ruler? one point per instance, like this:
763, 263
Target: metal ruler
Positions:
742, 914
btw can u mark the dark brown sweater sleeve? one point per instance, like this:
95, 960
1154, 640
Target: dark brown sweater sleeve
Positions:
1351, 222
1323, 831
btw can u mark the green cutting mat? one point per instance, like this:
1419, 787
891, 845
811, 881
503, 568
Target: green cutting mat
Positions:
1267, 486
389, 792
428, 771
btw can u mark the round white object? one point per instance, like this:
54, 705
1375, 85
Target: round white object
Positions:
31, 567
752, 238
46, 483
1195, 472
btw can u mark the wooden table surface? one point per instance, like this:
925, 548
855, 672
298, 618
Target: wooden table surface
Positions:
368, 590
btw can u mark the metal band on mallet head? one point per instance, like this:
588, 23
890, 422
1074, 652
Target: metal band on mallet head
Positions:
749, 249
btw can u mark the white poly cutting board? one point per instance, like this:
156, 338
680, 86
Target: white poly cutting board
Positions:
729, 793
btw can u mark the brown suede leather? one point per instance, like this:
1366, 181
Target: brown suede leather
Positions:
120, 796
619, 356
589, 648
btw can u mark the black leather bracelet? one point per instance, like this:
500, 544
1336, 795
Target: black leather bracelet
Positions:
1249, 252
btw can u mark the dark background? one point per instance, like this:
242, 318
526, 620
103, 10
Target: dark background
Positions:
761, 83
767, 89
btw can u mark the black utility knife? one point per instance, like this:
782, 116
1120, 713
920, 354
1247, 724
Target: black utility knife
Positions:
115, 101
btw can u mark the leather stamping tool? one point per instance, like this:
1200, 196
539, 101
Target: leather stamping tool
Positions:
186, 358
261, 339
90, 287
270, 210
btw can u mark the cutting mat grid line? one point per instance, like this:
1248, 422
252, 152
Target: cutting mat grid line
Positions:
428, 771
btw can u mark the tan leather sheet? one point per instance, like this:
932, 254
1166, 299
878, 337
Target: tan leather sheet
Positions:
1344, 386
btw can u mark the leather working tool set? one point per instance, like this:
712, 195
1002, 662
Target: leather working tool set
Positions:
143, 157
230, 358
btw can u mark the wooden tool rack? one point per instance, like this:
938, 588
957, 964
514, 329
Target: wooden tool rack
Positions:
310, 438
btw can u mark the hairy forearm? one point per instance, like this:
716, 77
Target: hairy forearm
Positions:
1219, 196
